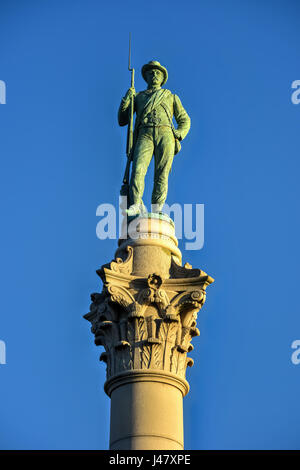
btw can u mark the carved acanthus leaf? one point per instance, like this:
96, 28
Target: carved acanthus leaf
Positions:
147, 323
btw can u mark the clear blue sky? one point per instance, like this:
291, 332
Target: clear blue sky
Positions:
62, 154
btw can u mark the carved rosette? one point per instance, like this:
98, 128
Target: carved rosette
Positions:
147, 323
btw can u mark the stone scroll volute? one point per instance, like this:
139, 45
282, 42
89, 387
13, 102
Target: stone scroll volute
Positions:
147, 323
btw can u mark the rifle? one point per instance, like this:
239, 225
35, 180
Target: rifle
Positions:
125, 187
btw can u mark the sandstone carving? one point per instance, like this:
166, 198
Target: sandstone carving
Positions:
147, 323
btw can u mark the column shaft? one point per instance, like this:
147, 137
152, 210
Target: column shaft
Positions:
146, 415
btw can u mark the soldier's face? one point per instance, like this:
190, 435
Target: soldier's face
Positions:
154, 77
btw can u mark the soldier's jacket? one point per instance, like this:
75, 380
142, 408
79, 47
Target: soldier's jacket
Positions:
156, 108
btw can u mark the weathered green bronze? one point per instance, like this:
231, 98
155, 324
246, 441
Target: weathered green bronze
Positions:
154, 134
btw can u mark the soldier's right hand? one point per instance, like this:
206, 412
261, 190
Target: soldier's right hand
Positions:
130, 93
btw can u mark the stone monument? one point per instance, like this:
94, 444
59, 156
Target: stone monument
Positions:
145, 316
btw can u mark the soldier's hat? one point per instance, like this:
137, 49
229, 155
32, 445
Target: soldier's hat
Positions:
153, 64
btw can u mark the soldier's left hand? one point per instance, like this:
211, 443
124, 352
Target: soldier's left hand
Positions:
177, 134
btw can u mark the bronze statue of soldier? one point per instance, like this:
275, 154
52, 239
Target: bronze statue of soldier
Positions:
154, 134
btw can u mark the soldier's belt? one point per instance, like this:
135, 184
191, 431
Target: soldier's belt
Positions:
141, 126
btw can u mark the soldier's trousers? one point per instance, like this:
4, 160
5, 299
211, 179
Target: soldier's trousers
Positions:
160, 142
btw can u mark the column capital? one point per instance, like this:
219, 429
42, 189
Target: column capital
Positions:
146, 322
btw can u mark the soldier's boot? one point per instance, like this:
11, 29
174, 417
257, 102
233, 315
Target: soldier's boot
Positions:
157, 208
133, 210
136, 209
